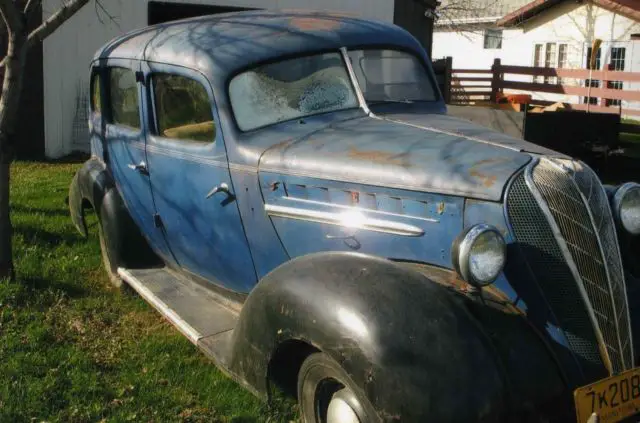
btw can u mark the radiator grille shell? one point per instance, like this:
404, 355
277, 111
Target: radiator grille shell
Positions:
560, 217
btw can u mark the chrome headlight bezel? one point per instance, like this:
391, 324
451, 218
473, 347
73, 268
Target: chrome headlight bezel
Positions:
463, 251
629, 188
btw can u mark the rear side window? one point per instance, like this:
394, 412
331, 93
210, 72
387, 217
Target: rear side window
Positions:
96, 95
183, 109
123, 92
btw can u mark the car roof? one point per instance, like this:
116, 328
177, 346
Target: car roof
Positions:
230, 41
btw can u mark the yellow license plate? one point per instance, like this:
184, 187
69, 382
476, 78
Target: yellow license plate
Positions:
612, 399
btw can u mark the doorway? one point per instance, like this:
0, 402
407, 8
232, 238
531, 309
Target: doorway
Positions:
160, 12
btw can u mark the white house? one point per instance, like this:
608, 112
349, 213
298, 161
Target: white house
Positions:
66, 54
546, 33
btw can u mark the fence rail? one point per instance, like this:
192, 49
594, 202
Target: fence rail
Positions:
474, 86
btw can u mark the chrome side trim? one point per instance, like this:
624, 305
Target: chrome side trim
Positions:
528, 177
185, 328
360, 209
354, 81
349, 218
218, 161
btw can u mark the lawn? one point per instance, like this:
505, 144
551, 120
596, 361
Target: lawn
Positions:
73, 349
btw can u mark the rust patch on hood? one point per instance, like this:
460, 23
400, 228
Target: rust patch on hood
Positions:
376, 156
281, 143
487, 180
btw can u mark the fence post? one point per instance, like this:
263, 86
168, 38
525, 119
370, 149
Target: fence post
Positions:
448, 74
496, 81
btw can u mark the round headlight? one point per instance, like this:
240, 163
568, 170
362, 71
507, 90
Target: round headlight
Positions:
626, 207
479, 255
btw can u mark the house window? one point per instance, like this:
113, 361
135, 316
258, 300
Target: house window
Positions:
492, 39
563, 59
550, 57
592, 83
183, 109
123, 94
537, 61
618, 56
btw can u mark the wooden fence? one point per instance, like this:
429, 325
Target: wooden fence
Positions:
476, 86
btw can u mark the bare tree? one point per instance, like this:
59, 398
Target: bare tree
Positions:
19, 41
467, 15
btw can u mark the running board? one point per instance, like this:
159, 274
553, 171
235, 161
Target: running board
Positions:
205, 318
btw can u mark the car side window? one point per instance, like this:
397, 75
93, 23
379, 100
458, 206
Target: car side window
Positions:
183, 109
96, 95
123, 93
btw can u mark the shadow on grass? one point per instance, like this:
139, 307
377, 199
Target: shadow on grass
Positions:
46, 238
45, 212
70, 290
73, 158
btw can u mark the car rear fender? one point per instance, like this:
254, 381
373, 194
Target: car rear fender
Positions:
93, 187
88, 190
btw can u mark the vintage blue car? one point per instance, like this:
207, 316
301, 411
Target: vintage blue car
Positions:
288, 190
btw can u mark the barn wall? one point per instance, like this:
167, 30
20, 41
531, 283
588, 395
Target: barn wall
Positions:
68, 52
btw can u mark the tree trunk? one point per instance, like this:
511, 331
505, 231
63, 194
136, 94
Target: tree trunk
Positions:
9, 102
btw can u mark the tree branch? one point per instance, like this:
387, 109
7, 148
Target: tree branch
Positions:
31, 4
98, 5
48, 26
11, 16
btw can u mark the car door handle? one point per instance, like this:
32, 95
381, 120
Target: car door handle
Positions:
223, 187
140, 167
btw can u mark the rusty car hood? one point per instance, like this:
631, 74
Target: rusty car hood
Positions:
432, 153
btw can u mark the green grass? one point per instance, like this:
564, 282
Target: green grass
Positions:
74, 350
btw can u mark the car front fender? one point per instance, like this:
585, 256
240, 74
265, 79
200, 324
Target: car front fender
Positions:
411, 345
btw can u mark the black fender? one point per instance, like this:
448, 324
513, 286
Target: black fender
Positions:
93, 186
413, 346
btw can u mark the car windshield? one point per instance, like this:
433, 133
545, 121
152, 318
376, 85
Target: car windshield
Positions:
291, 89
391, 76
304, 86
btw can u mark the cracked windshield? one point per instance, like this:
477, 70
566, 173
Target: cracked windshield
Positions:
305, 86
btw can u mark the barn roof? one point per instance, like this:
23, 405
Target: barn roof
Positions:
232, 41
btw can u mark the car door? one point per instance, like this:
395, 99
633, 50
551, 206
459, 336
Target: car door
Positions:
190, 179
125, 143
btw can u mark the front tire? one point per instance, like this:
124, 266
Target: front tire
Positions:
326, 394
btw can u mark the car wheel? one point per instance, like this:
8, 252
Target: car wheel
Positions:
326, 394
110, 266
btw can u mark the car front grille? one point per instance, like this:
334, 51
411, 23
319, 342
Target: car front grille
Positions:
561, 219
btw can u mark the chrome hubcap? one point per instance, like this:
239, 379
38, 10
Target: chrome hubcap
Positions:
341, 412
